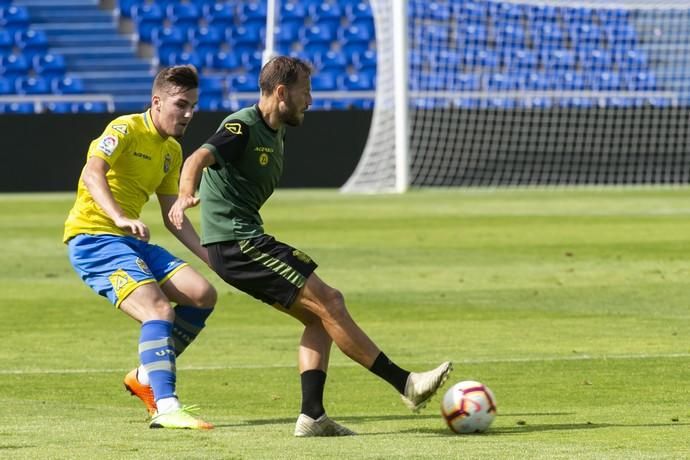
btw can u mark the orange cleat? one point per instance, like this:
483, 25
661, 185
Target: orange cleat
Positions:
143, 392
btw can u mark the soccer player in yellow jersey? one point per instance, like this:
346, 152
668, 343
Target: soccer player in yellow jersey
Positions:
109, 247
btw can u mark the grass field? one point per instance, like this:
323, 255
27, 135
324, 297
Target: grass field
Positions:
572, 305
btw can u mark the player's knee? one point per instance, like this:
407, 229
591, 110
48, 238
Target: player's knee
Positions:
162, 310
335, 304
209, 297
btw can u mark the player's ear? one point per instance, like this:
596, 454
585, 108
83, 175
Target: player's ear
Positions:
156, 103
281, 92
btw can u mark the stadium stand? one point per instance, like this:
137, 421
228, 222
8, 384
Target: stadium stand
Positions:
489, 45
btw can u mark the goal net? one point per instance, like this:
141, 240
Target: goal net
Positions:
528, 93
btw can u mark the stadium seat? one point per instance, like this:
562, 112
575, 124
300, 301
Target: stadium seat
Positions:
577, 15
327, 15
67, 85
243, 83
363, 81
207, 40
49, 65
124, 7
499, 81
520, 58
254, 9
289, 30
542, 13
224, 60
14, 65
537, 81
89, 107
57, 107
506, 13
639, 81
6, 42
571, 81
293, 11
17, 108
32, 85
31, 42
558, 59
585, 35
357, 9
14, 18
251, 61
252, 36
510, 35
147, 18
184, 15
221, 15
630, 59
6, 86
623, 36
365, 60
547, 35
331, 60
465, 82
187, 58
596, 59
325, 80
470, 34
470, 12
605, 81
212, 86
168, 40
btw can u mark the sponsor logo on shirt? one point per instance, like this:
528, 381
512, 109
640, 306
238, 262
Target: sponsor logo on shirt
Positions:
108, 144
141, 155
263, 154
233, 128
120, 128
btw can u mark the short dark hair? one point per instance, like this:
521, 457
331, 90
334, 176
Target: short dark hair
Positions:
184, 77
282, 70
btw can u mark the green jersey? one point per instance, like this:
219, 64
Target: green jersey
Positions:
249, 164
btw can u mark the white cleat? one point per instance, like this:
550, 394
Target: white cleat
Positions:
322, 426
421, 386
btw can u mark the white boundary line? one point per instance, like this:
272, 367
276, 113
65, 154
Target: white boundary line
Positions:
583, 357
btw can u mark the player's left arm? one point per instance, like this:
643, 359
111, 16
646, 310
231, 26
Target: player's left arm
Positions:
186, 233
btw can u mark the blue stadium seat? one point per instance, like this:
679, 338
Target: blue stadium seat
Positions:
6, 86
224, 60
354, 33
187, 58
31, 42
470, 12
357, 9
90, 107
332, 60
326, 15
318, 34
547, 35
605, 81
437, 11
6, 42
623, 36
14, 65
630, 59
364, 60
293, 11
577, 15
289, 30
124, 7
558, 59
251, 61
613, 15
538, 81
207, 40
466, 82
33, 85
640, 81
243, 83
185, 14
254, 9
57, 107
212, 86
14, 18
221, 15
325, 80
471, 34
363, 81
571, 80
363, 104
542, 13
510, 35
585, 35
147, 17
506, 13
67, 85
49, 65
500, 81
168, 40
252, 35
520, 58
17, 108
597, 59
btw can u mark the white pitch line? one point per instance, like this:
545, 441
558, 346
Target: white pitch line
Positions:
583, 357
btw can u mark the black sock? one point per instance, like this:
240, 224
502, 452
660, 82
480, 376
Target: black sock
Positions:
390, 372
313, 382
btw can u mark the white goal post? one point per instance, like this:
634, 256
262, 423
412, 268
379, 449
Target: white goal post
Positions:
521, 93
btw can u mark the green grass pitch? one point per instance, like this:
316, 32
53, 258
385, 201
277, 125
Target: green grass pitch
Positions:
572, 305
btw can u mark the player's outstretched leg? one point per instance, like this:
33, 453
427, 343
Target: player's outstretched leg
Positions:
141, 391
421, 386
322, 426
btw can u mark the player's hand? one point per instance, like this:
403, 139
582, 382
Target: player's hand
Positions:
176, 213
134, 226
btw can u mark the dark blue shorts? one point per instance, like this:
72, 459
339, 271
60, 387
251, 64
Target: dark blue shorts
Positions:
114, 266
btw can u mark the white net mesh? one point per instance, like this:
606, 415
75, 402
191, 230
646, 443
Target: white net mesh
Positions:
535, 93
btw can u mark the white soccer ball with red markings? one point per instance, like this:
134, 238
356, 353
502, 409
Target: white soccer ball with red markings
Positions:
468, 407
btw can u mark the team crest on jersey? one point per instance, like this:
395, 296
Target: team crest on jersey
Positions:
301, 256
142, 265
120, 128
263, 159
120, 279
166, 163
233, 128
108, 144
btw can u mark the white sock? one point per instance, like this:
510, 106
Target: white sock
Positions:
143, 376
167, 405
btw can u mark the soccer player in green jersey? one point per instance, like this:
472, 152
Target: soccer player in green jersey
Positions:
239, 167
135, 156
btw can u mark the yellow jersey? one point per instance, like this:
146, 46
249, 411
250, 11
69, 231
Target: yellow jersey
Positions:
141, 163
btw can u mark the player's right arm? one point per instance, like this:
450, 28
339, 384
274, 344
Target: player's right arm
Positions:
225, 145
94, 178
189, 181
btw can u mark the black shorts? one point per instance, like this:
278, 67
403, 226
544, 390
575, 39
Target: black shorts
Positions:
263, 267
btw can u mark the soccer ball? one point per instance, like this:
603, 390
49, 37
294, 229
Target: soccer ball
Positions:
468, 407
